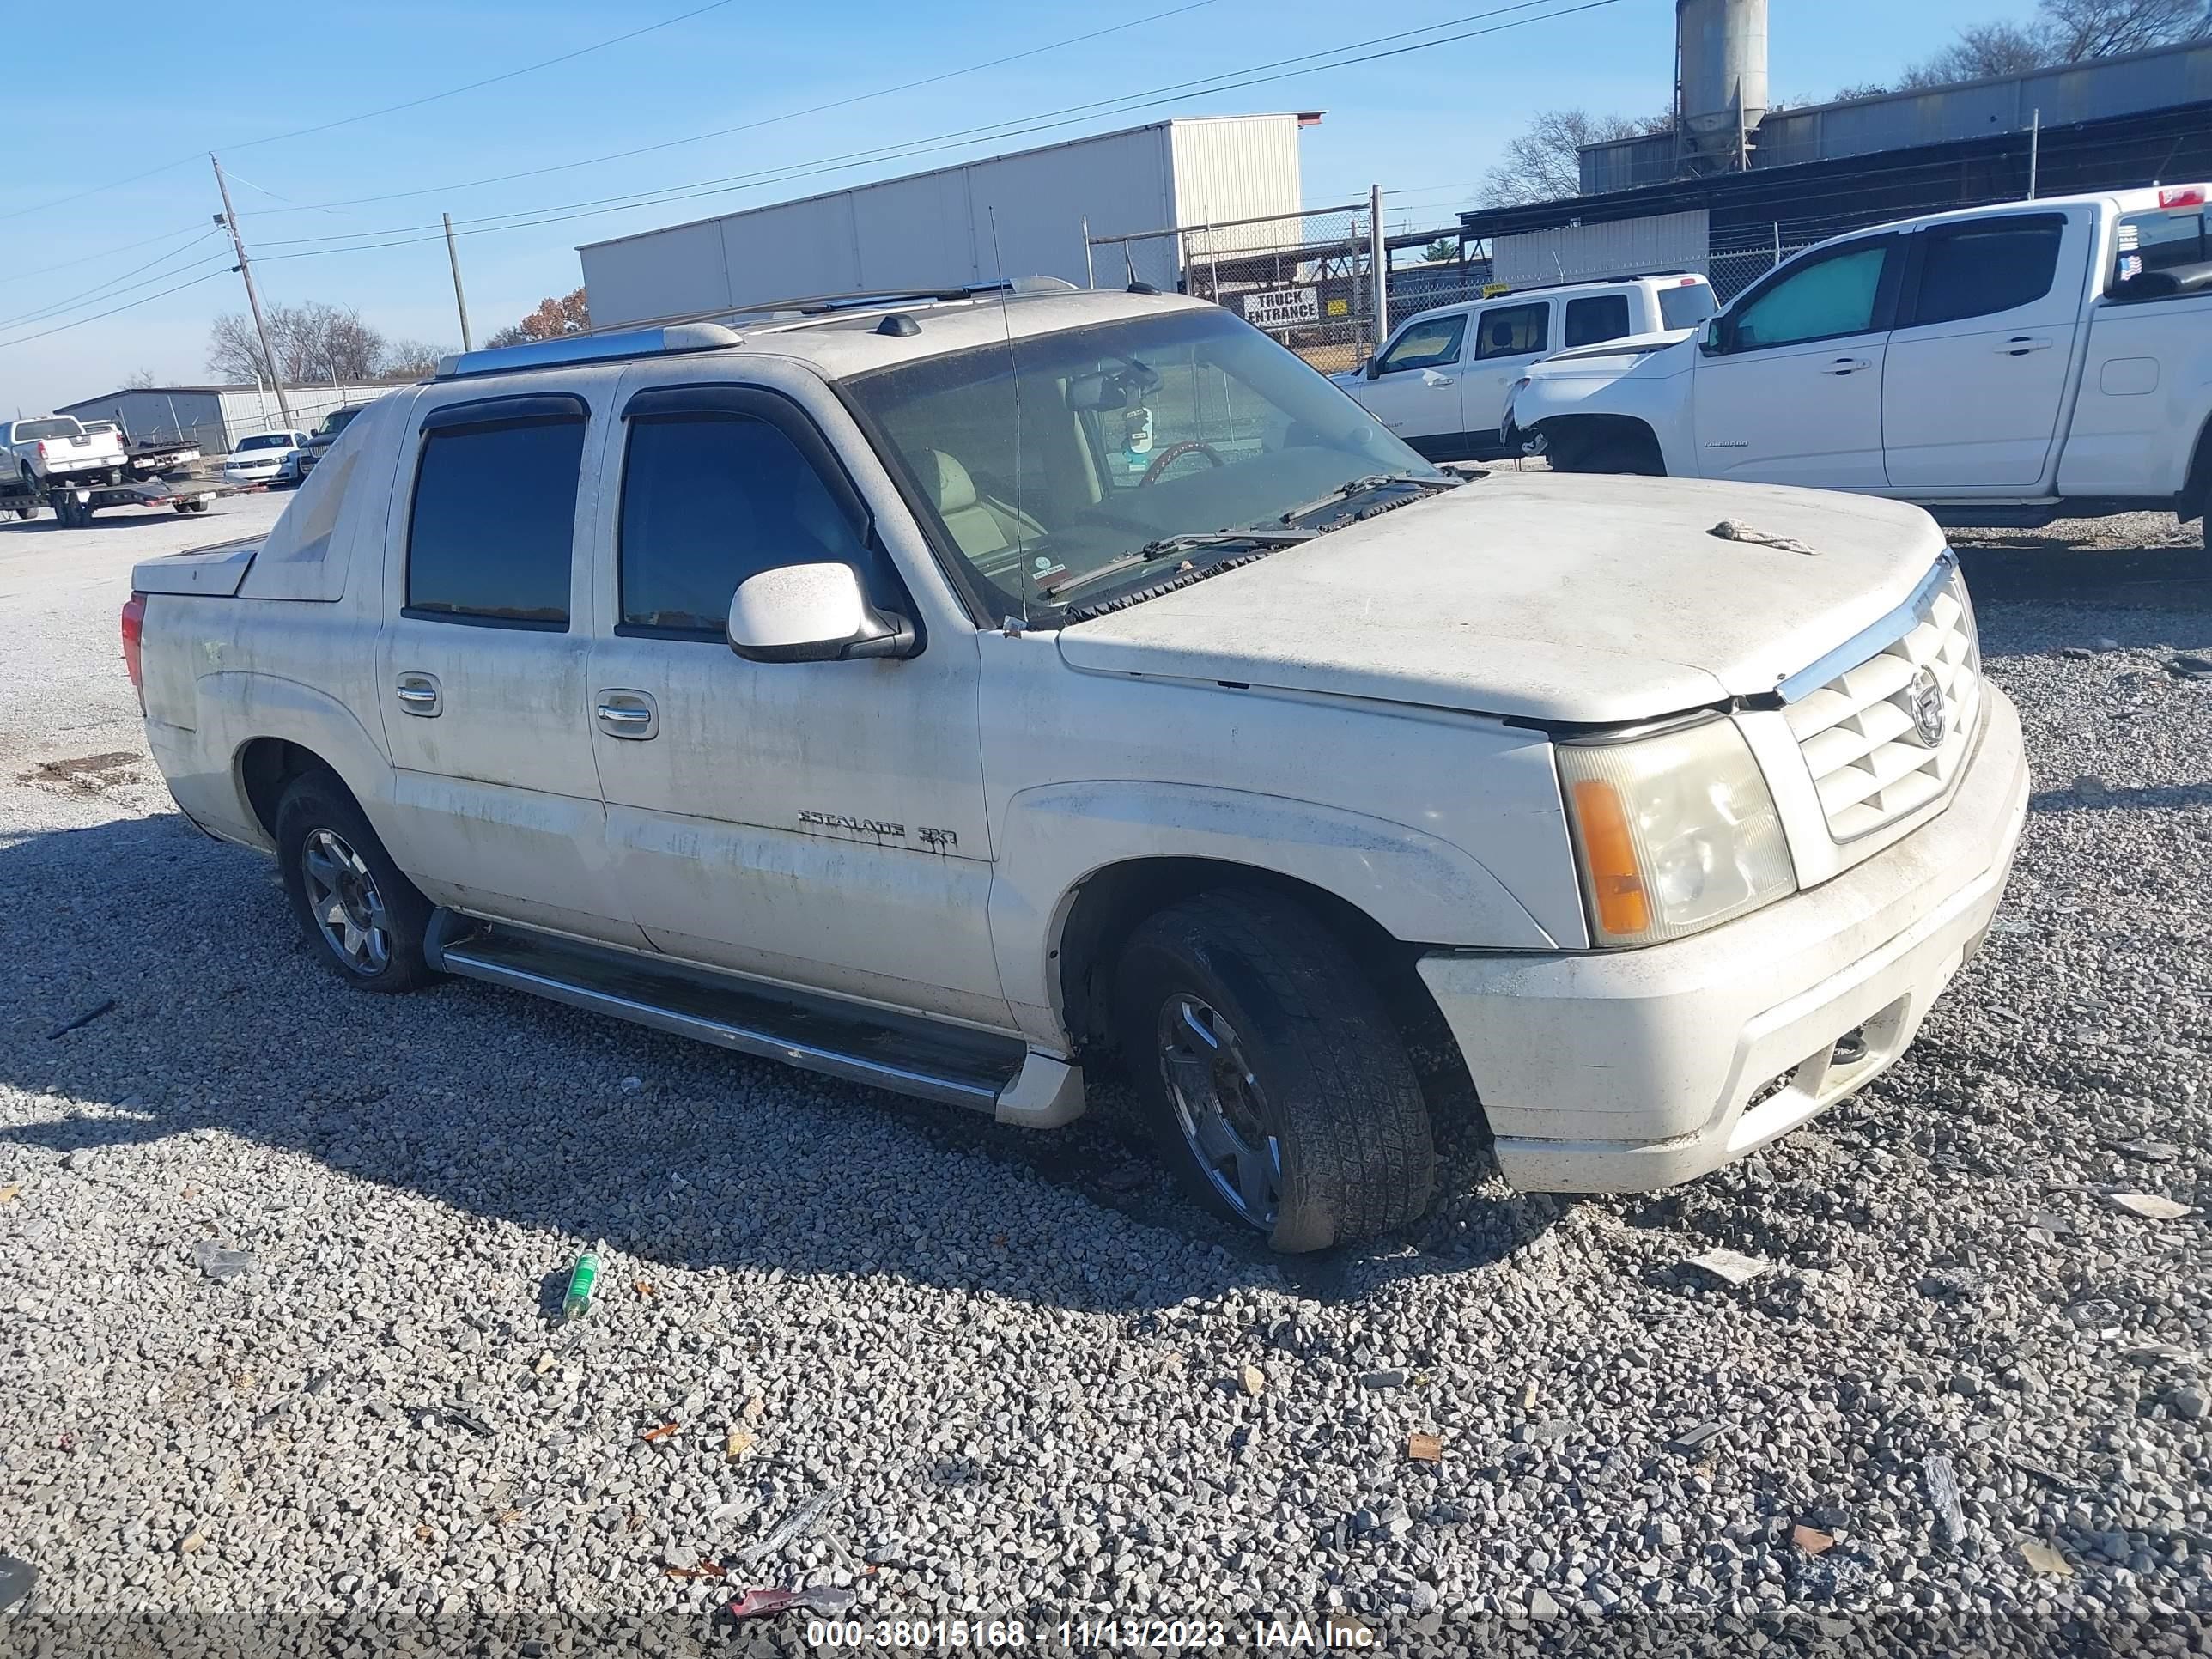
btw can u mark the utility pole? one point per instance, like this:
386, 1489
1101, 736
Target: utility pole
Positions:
459, 299
229, 220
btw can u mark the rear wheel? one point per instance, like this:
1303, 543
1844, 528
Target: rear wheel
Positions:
1277, 1086
26, 512
362, 917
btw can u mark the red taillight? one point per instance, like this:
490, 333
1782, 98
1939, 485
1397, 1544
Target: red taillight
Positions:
2182, 196
134, 632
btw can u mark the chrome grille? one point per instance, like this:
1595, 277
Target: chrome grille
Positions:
1860, 732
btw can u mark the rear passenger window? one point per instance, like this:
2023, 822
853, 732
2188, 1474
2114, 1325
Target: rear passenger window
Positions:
1980, 269
1604, 317
712, 498
493, 526
1513, 330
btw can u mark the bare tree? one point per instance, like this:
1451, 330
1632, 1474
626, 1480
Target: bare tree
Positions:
2063, 32
1542, 164
313, 342
409, 359
2082, 30
233, 348
139, 379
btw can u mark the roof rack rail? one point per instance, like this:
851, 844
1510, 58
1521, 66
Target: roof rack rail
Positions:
590, 347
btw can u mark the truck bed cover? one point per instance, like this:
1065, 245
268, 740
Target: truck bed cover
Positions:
217, 571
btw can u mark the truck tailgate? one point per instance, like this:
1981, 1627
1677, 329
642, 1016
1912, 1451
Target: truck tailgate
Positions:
214, 571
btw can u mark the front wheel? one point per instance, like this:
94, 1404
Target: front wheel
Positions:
363, 919
1277, 1084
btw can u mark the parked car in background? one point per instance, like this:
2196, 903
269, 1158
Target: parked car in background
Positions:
879, 718
2011, 364
1440, 380
321, 439
263, 458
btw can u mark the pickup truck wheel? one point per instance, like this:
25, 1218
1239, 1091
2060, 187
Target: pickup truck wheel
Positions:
26, 512
1277, 1086
362, 917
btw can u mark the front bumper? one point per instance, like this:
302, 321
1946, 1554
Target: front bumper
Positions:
1627, 1071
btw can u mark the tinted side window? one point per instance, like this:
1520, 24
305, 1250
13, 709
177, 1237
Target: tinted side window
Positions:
495, 520
713, 498
1979, 269
1603, 318
1686, 305
1513, 330
1832, 296
1425, 346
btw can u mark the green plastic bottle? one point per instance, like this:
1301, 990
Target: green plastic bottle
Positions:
582, 1279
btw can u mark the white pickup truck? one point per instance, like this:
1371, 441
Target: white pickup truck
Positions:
2009, 365
948, 693
48, 450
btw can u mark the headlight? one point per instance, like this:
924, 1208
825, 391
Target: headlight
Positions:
1675, 832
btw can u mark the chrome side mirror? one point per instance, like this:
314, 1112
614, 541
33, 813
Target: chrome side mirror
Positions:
812, 613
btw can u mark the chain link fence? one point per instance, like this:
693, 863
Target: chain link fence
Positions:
1748, 254
1307, 278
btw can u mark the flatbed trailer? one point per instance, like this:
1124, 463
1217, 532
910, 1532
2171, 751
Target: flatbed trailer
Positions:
73, 505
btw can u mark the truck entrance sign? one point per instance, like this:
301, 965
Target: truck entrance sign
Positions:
1281, 308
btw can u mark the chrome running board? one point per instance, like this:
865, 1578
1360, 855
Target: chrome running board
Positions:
904, 1052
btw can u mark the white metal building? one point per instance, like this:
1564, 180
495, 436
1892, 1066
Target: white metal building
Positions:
1018, 215
216, 416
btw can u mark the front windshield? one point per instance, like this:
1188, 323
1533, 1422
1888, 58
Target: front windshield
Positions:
268, 440
335, 422
1056, 484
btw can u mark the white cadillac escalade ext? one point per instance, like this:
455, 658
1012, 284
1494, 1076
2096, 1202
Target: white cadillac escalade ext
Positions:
948, 693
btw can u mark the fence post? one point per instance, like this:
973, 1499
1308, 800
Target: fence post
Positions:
1378, 261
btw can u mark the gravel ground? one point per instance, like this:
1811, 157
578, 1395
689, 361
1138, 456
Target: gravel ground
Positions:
991, 1374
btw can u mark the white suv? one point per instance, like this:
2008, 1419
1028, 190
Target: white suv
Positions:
949, 694
1442, 381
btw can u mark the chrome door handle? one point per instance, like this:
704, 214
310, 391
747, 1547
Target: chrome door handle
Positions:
2021, 346
626, 714
1429, 377
418, 694
1847, 366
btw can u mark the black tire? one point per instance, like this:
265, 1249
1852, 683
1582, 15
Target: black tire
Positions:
197, 507
317, 806
1335, 1090
26, 512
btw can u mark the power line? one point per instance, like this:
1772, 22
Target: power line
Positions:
370, 115
87, 258
1343, 56
723, 132
114, 286
25, 339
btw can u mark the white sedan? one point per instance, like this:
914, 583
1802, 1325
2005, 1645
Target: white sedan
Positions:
264, 457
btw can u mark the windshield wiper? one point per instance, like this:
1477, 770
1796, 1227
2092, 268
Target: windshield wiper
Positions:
1188, 542
1360, 486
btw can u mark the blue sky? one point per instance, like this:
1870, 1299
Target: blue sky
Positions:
1427, 124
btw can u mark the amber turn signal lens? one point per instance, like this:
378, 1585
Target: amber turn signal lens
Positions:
1615, 882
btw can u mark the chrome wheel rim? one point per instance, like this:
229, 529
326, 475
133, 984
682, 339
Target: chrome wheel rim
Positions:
1220, 1108
342, 899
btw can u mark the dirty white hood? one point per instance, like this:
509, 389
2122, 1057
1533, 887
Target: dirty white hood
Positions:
1541, 596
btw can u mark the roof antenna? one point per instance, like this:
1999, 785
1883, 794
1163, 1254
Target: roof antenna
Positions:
1012, 624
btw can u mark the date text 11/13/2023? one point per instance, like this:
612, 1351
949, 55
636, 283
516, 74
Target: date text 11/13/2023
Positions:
1082, 1635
